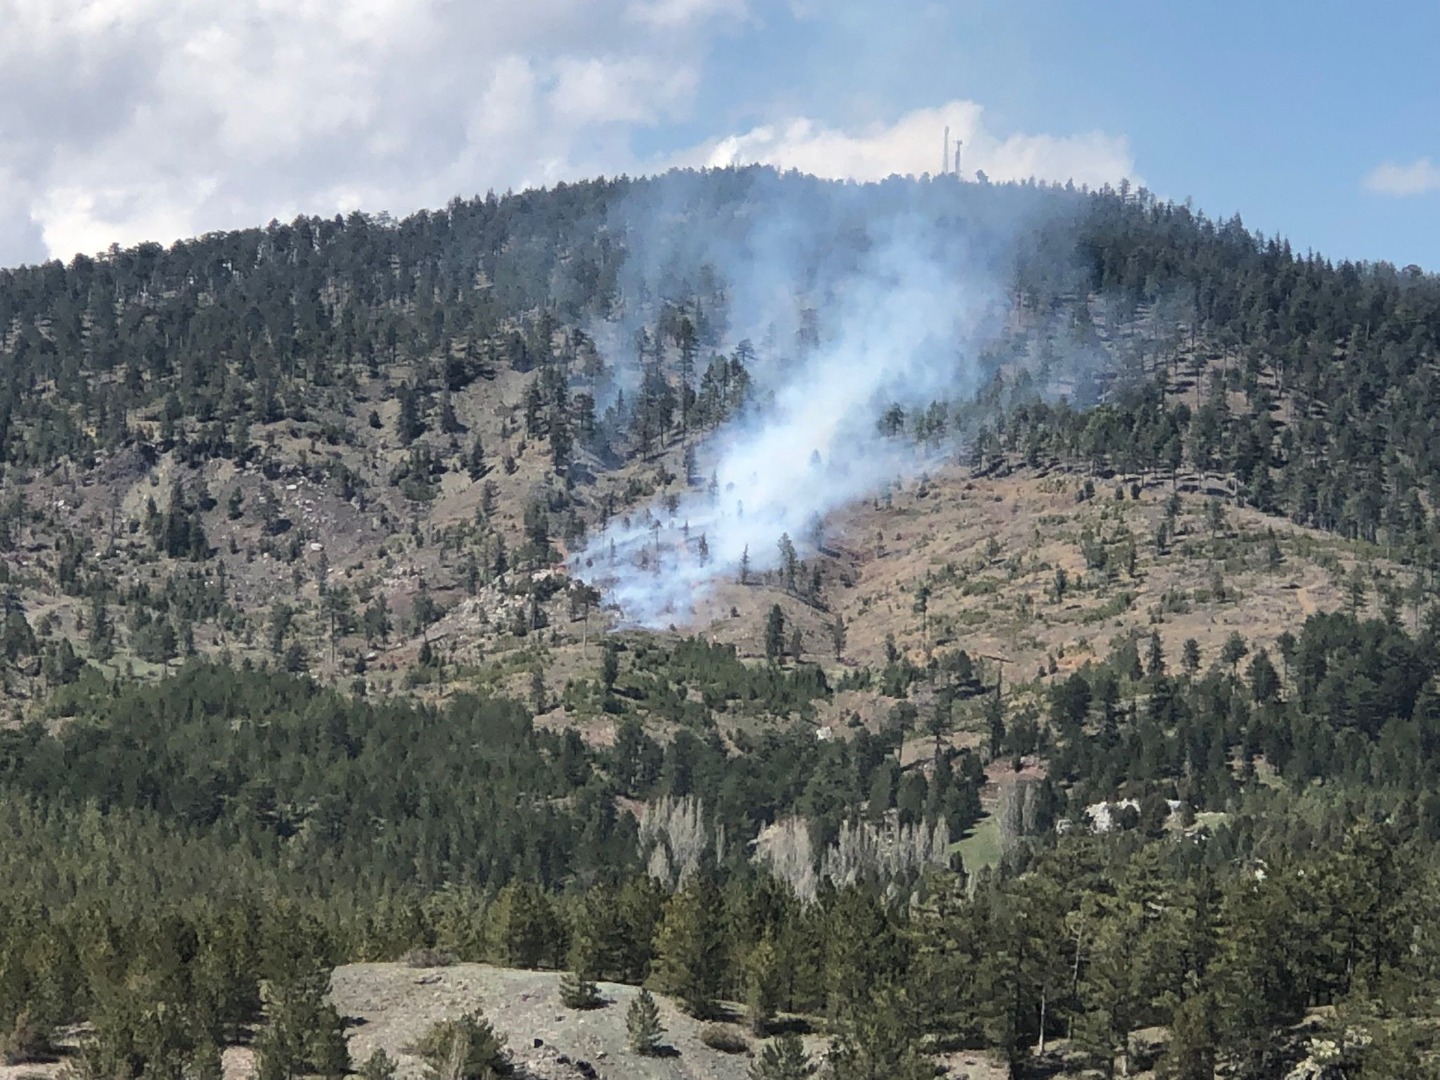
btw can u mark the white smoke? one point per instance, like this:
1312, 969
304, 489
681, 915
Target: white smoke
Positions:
905, 297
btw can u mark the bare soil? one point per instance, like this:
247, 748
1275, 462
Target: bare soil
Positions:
392, 1006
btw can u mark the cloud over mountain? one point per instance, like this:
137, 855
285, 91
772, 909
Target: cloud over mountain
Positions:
129, 120
913, 145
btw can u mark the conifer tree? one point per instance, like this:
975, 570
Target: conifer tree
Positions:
102, 632
475, 461
642, 1022
762, 985
578, 991
609, 667
880, 1042
205, 1062
408, 423
526, 928
783, 1059
303, 1033
1190, 1054
691, 945
378, 1066
775, 633
465, 1049
1190, 656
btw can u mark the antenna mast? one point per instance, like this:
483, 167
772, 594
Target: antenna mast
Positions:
945, 154
958, 143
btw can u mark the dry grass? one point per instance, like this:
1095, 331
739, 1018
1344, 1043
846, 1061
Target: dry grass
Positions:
990, 549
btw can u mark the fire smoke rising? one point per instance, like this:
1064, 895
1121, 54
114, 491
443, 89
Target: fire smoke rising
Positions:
905, 297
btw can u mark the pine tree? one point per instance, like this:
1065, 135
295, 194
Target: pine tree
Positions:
642, 1021
880, 1042
378, 1066
562, 443
465, 1049
775, 633
789, 561
325, 1046
1234, 650
610, 667
692, 961
1110, 987
102, 632
1190, 656
408, 424
578, 991
303, 1033
1155, 657
525, 925
1190, 1054
205, 1062
783, 1059
762, 985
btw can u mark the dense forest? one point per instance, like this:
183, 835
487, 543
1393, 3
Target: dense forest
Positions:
1206, 866
354, 830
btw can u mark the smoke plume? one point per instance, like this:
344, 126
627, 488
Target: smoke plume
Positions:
858, 299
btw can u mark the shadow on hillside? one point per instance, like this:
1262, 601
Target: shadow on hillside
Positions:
789, 1025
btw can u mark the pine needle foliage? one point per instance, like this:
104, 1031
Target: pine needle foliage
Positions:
642, 1022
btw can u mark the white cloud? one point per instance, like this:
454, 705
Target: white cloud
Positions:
680, 12
508, 105
73, 216
914, 144
130, 120
123, 120
1418, 178
635, 91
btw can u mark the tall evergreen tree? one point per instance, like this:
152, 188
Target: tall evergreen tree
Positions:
692, 959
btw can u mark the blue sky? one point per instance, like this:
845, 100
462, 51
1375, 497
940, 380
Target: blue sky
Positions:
1276, 110
123, 120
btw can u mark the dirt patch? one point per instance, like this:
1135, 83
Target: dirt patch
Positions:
393, 1005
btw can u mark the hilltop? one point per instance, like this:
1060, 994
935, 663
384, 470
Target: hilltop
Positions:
419, 417
994, 624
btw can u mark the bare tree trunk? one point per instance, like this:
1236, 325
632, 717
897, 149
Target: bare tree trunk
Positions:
1040, 1046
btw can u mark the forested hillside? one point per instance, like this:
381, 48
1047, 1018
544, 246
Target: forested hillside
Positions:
1098, 735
